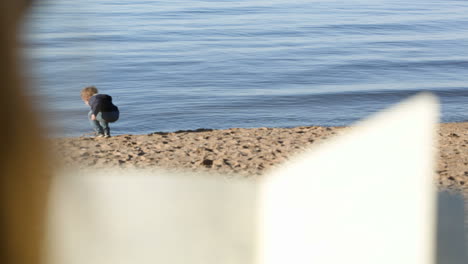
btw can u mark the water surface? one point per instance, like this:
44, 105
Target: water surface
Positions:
172, 65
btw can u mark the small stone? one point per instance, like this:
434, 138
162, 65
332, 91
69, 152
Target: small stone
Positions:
207, 162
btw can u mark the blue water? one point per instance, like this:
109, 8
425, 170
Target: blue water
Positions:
172, 65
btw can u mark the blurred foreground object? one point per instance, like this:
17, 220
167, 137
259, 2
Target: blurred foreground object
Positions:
23, 160
365, 197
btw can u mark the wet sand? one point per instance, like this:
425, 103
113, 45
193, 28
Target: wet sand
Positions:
242, 152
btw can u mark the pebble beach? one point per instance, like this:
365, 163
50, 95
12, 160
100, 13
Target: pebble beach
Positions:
245, 152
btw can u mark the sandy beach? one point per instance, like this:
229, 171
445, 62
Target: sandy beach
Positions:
238, 151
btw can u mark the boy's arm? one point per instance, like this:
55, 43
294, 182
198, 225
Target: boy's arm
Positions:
95, 105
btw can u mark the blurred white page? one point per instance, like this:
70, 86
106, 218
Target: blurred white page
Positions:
137, 217
365, 197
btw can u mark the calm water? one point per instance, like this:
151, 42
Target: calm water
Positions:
172, 65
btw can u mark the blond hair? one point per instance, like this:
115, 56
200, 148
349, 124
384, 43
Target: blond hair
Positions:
24, 174
87, 92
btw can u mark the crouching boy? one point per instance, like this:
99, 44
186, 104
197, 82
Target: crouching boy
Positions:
103, 111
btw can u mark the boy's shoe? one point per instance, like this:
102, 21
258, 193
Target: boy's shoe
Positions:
107, 136
100, 135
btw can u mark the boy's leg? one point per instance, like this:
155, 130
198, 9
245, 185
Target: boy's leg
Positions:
108, 117
103, 124
95, 124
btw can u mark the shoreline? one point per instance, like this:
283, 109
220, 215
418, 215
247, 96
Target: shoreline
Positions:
197, 130
240, 151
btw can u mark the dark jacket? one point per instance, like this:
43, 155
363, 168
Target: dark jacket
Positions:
102, 103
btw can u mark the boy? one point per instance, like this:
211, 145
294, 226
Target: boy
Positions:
103, 111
